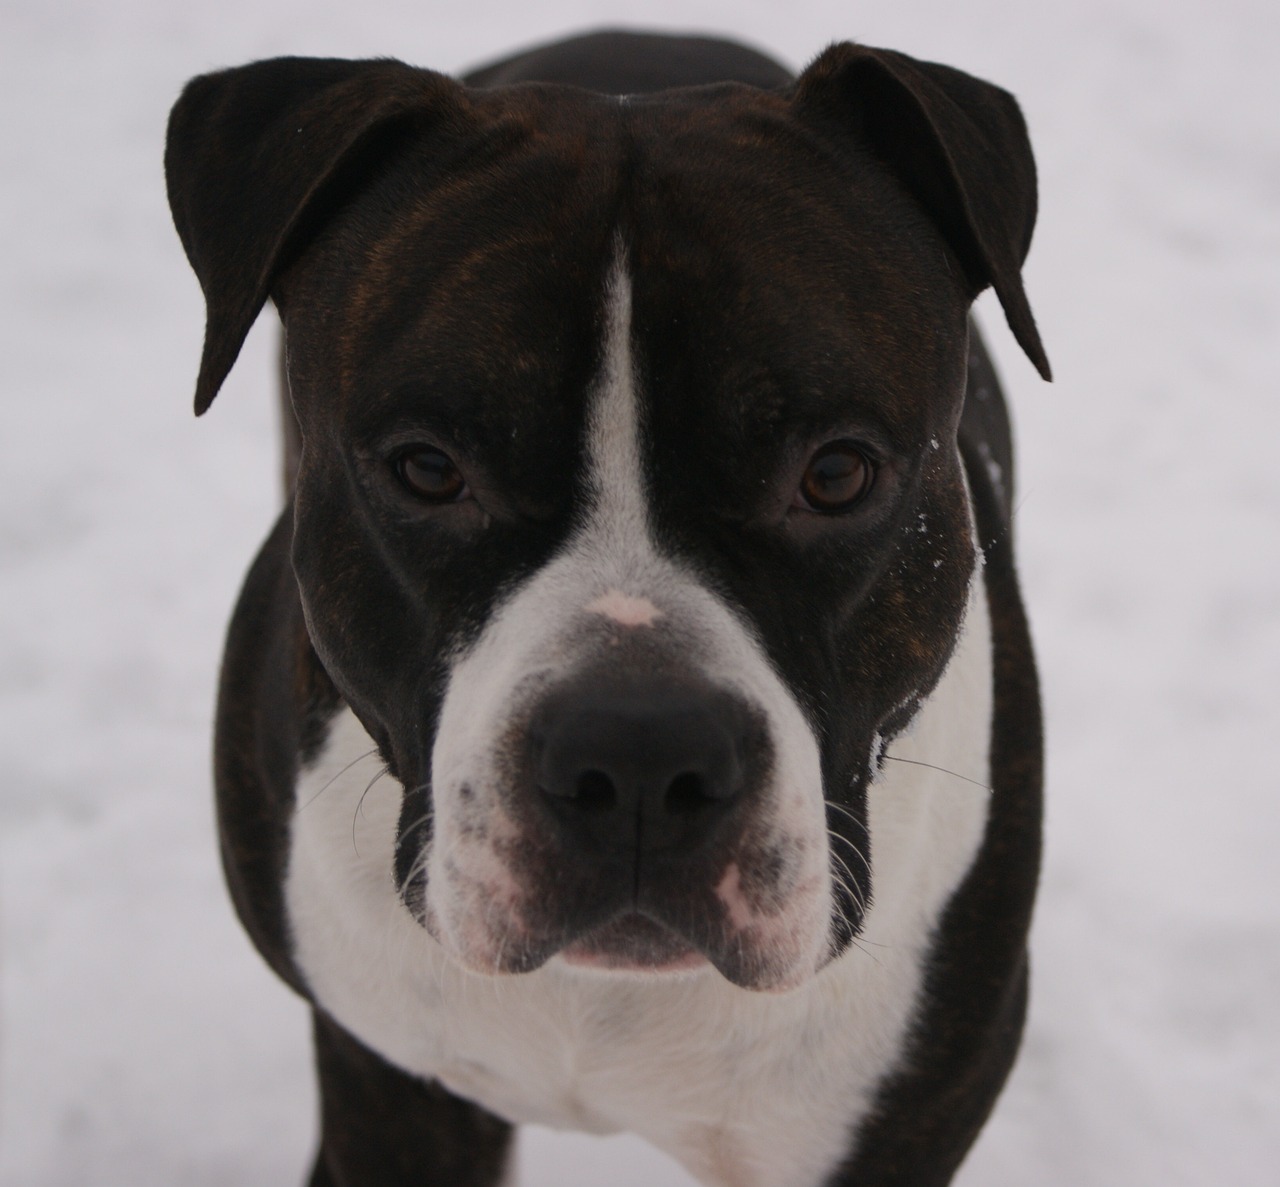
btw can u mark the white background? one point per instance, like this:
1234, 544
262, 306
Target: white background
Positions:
141, 1039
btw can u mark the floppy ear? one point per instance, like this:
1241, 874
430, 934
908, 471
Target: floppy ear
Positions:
255, 159
960, 146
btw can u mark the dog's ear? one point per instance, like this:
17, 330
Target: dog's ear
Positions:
257, 156
959, 144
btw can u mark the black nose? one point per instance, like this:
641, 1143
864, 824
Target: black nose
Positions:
642, 766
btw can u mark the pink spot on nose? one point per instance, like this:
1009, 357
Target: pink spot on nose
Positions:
624, 609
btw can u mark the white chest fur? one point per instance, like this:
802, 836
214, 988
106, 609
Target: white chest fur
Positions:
745, 1089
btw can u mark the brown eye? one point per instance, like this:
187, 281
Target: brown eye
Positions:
837, 477
430, 474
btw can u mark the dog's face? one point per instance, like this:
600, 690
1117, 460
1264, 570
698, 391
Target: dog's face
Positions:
630, 520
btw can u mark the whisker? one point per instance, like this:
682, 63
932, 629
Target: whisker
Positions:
420, 861
359, 758
848, 891
847, 840
861, 946
915, 762
862, 857
859, 942
846, 811
848, 882
497, 964
443, 966
386, 770
848, 922
850, 886
409, 829
359, 812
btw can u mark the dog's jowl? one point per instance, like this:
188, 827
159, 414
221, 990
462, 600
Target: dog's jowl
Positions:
630, 723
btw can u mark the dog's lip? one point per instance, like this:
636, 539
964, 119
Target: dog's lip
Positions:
633, 943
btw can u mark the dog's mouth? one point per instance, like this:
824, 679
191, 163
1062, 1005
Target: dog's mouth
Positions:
634, 943
756, 907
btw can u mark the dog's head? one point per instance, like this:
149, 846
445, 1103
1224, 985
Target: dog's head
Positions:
629, 520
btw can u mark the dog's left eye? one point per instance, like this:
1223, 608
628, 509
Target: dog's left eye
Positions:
430, 474
838, 477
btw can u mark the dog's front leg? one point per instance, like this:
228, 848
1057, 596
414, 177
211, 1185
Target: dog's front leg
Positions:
383, 1128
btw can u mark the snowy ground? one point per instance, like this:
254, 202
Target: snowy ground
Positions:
141, 1040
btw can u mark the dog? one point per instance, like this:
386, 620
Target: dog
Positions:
631, 721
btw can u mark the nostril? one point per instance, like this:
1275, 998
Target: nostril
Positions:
686, 794
594, 792
590, 791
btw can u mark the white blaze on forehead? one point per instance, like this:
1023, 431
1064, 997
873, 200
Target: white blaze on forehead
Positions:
619, 516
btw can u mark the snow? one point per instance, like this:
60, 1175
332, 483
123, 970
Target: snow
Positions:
141, 1039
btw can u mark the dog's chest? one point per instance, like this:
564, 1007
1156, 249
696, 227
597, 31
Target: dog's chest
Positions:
743, 1092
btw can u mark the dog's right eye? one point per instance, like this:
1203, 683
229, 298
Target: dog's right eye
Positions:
838, 477
430, 474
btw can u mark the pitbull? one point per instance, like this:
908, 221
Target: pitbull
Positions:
631, 722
